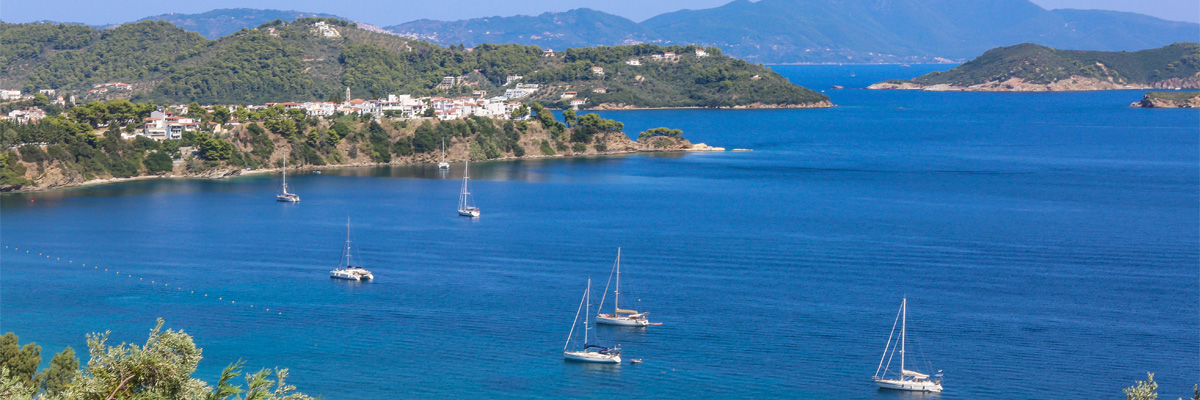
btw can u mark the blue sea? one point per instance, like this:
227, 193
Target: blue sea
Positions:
1048, 246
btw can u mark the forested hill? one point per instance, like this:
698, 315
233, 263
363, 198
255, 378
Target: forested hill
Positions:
296, 61
1171, 66
216, 23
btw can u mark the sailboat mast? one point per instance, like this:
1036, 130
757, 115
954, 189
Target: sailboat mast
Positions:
284, 173
617, 290
348, 256
587, 296
903, 330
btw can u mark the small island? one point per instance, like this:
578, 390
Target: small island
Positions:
1169, 100
1033, 68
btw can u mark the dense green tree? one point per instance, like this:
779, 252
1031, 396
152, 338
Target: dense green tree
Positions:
158, 162
569, 117
63, 368
21, 361
213, 149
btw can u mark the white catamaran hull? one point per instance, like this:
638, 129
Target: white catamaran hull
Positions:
911, 386
469, 213
591, 357
620, 321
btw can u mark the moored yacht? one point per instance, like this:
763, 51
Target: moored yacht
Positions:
347, 270
590, 353
620, 316
443, 165
906, 380
285, 196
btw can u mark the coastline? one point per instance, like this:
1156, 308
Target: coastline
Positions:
227, 173
1074, 84
752, 106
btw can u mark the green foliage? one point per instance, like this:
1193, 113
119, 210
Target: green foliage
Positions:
12, 174
1143, 390
158, 162
591, 124
660, 132
21, 361
13, 387
546, 149
130, 52
253, 67
213, 149
578, 147
63, 368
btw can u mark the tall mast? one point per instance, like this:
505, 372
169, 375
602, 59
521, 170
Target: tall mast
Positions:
587, 298
903, 330
443, 149
348, 256
617, 291
284, 173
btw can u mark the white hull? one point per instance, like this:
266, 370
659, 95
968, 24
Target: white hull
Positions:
288, 198
473, 213
591, 357
909, 386
444, 166
352, 274
620, 321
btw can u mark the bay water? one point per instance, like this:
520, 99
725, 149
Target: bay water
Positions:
1048, 246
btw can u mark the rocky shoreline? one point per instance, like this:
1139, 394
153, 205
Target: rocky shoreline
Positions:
618, 144
1072, 84
751, 106
1169, 100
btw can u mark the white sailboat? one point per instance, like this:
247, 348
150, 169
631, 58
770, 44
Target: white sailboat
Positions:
466, 207
591, 353
347, 270
443, 165
285, 196
907, 380
619, 316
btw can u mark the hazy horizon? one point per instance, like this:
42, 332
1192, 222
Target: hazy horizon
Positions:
392, 13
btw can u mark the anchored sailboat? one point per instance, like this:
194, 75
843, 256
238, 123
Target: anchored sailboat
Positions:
347, 270
619, 316
911, 381
443, 165
466, 207
591, 353
285, 196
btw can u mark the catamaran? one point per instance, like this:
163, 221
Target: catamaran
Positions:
285, 196
591, 353
911, 381
619, 316
347, 270
443, 165
466, 207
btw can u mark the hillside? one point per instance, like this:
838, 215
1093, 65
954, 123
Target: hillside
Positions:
790, 31
1030, 67
296, 61
217, 23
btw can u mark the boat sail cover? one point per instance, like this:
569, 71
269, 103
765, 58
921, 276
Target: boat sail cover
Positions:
620, 311
915, 374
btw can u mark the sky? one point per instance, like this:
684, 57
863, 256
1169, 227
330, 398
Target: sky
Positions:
385, 12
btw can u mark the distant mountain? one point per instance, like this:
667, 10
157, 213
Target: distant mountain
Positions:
1030, 67
576, 28
221, 22
785, 31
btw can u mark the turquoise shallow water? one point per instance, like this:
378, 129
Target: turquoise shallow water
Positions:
1049, 240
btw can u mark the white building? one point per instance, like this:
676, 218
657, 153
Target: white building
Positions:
162, 126
10, 94
701, 53
633, 61
326, 30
